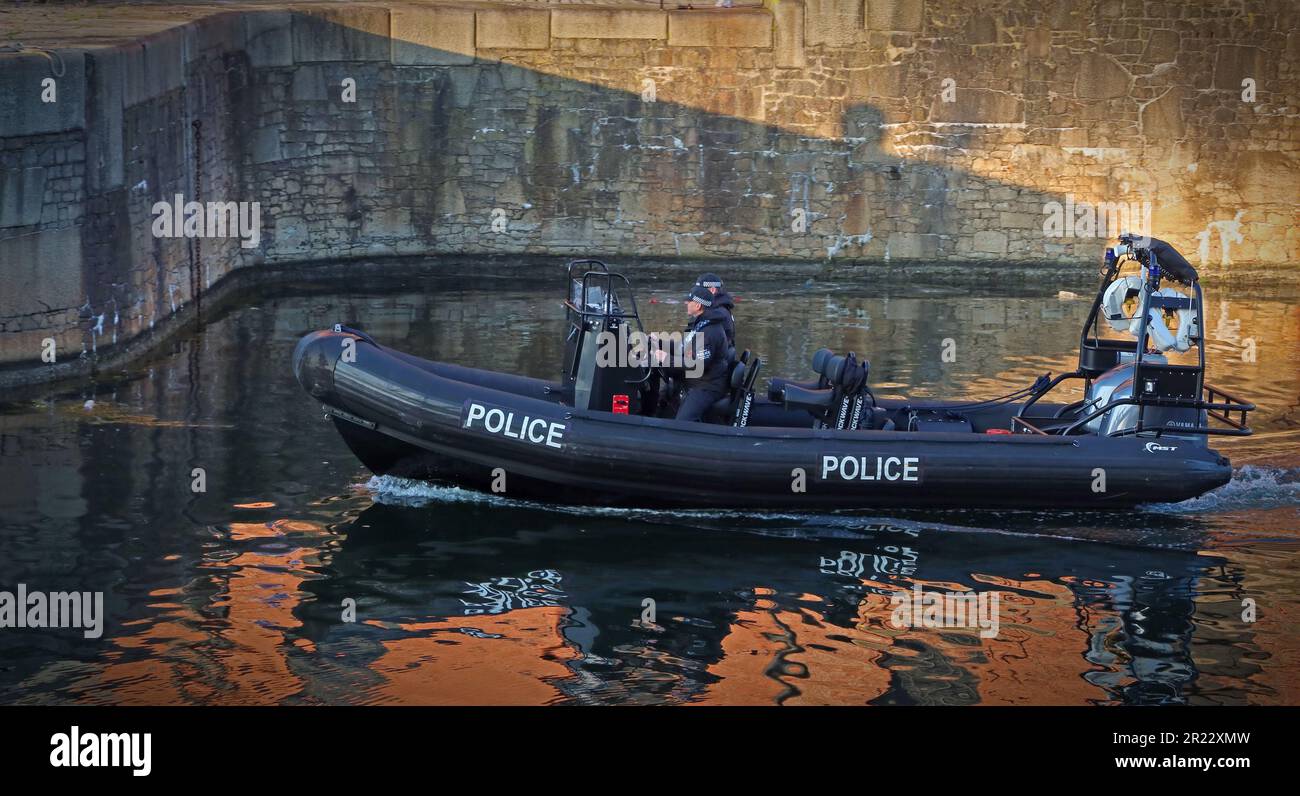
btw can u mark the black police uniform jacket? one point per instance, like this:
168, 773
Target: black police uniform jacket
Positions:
727, 304
706, 337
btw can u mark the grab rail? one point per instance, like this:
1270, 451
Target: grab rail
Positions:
1209, 407
1239, 406
1050, 386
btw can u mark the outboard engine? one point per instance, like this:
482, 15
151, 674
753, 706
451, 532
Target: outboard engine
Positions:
1117, 383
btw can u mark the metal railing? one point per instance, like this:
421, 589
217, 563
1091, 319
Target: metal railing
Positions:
1217, 404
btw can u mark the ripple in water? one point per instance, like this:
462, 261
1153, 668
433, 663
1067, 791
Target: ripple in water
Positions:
1251, 487
393, 491
1072, 525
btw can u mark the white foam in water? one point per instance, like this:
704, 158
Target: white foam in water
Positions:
410, 492
1251, 487
413, 493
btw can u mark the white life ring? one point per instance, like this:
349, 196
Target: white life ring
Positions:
1161, 337
1112, 302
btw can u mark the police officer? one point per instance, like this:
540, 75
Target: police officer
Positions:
706, 339
723, 299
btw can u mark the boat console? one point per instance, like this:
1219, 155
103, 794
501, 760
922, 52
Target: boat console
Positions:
607, 359
597, 319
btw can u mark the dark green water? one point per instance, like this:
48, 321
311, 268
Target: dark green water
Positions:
235, 595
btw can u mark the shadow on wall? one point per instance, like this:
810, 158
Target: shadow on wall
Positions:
350, 141
501, 157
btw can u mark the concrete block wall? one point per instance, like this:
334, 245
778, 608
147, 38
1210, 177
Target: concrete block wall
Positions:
42, 198
812, 130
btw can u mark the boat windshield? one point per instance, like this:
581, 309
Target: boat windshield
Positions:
595, 300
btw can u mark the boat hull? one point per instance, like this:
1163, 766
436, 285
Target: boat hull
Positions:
408, 417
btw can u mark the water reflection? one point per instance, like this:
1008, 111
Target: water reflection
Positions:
795, 619
236, 594
539, 588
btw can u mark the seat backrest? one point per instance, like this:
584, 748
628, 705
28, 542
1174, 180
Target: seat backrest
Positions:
751, 373
738, 374
833, 370
822, 403
843, 372
819, 360
745, 396
851, 402
724, 409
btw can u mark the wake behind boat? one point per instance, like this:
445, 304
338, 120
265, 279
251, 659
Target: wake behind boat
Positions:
596, 437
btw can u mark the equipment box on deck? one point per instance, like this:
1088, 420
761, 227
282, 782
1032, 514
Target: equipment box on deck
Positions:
937, 420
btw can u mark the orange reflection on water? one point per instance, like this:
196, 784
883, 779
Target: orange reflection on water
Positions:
789, 656
442, 666
262, 595
166, 677
1229, 647
239, 659
752, 644
1037, 656
797, 657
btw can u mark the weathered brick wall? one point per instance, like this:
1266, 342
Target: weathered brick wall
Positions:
79, 263
936, 130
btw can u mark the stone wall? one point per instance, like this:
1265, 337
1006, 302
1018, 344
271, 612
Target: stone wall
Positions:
848, 130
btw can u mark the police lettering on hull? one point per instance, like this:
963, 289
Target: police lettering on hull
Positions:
899, 469
506, 422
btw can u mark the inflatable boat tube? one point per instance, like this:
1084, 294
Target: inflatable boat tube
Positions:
409, 417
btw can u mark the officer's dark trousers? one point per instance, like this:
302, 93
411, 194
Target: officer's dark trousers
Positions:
696, 403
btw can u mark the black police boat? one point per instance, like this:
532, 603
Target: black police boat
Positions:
596, 437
